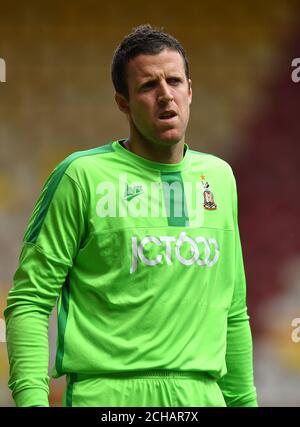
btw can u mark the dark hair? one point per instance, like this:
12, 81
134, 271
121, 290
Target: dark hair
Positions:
144, 39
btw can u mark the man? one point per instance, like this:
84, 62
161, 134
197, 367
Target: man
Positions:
138, 240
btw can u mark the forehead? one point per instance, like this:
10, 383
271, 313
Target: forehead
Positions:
165, 62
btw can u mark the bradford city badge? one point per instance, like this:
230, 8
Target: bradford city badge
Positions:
209, 202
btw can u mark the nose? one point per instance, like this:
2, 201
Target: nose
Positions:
165, 94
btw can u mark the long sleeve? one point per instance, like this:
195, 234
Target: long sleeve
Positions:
50, 243
238, 385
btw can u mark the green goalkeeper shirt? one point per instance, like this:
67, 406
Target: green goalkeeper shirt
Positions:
145, 264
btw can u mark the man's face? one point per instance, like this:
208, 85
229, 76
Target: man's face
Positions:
159, 98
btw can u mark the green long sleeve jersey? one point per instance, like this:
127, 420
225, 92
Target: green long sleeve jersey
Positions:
145, 264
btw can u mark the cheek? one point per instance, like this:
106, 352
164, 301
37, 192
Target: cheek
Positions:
184, 107
187, 103
141, 112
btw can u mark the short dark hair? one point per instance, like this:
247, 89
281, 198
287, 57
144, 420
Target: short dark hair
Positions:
143, 39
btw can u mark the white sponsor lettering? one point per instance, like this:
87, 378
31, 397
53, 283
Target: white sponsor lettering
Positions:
143, 258
168, 240
164, 243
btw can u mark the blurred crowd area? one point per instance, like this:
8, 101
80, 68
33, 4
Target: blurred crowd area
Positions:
58, 98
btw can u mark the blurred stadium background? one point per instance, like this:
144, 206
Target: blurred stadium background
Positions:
58, 98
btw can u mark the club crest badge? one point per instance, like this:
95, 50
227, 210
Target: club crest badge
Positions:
208, 196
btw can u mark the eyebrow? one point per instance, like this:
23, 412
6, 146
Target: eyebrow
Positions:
151, 79
148, 80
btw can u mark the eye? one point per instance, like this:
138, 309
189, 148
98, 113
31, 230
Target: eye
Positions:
174, 81
148, 85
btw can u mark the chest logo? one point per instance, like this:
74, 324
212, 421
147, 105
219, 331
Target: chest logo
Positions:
208, 202
132, 192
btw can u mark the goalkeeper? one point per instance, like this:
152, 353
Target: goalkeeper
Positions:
137, 242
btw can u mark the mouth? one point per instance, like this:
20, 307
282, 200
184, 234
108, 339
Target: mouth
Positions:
167, 115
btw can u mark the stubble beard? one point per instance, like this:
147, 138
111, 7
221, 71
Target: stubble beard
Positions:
145, 138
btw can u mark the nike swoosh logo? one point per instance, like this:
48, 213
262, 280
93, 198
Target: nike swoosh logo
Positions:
129, 197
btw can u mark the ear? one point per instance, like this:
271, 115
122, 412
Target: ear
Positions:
122, 103
190, 90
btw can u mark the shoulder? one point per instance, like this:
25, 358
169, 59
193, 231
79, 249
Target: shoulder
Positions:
76, 166
80, 159
212, 163
79, 162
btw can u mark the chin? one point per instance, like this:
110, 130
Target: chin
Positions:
170, 139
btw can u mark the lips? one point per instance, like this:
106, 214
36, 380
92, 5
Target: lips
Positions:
168, 114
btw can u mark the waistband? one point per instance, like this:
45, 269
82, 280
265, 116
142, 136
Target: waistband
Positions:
157, 373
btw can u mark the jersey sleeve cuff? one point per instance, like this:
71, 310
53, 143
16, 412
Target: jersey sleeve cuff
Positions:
32, 397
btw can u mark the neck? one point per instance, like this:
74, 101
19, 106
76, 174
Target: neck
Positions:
156, 152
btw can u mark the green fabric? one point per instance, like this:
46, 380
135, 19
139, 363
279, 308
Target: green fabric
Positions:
176, 198
135, 289
144, 388
31, 397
